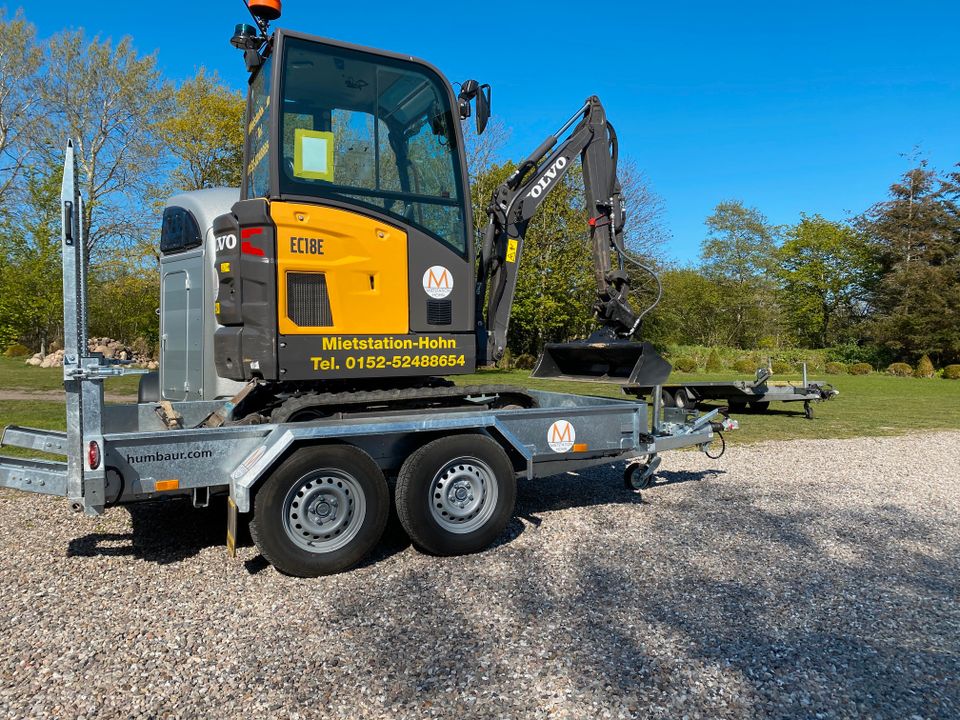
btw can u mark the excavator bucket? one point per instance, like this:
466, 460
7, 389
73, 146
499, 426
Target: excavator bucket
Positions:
622, 362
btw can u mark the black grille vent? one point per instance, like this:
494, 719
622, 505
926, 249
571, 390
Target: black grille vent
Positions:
308, 304
439, 312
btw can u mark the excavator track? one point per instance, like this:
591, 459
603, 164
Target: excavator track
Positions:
313, 405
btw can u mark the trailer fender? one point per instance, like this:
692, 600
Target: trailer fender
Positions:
260, 462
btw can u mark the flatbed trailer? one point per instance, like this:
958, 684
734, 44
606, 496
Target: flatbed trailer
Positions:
757, 394
120, 454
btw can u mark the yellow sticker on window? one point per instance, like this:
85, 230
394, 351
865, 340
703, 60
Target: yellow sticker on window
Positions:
512, 250
313, 154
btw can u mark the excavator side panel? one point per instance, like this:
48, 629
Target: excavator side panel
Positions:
339, 272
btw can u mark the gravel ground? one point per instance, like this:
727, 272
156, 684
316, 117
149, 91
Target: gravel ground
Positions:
812, 579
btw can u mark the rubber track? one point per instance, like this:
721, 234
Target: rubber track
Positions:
400, 396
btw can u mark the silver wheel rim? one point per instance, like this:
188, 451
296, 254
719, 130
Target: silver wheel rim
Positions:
324, 510
463, 495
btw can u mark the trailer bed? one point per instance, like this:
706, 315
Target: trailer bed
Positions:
756, 394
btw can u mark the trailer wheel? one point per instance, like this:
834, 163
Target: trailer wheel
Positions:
684, 399
456, 494
321, 511
760, 406
667, 399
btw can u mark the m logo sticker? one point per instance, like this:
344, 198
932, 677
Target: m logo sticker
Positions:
437, 282
561, 436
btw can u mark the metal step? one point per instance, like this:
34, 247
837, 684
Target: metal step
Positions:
37, 476
51, 441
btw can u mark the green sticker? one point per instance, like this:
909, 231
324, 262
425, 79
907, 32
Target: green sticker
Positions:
313, 154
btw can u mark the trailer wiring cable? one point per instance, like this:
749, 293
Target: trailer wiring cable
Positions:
723, 447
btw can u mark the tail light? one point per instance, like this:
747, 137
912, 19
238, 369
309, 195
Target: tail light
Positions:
93, 455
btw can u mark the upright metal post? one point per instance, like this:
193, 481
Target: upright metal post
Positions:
84, 395
657, 409
72, 259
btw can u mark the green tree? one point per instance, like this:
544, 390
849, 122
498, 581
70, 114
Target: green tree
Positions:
823, 268
123, 301
204, 134
914, 237
20, 58
738, 255
31, 289
109, 100
692, 311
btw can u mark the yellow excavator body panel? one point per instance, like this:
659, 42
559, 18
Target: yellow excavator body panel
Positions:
359, 261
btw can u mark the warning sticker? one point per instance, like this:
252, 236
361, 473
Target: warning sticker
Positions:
512, 244
437, 282
561, 436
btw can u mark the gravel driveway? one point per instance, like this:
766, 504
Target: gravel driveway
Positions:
811, 579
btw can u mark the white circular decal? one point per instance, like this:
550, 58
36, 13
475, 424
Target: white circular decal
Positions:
561, 436
437, 282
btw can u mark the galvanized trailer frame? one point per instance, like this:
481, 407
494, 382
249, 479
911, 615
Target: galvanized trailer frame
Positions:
757, 393
116, 454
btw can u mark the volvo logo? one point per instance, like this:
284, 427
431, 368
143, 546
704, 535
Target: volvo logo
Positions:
548, 177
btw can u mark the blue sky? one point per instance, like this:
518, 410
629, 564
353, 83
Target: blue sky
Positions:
790, 107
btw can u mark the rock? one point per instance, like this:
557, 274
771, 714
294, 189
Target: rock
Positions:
35, 361
124, 355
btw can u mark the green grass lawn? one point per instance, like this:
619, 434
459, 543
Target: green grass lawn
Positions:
868, 405
15, 374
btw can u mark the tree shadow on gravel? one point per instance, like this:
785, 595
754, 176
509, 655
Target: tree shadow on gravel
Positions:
734, 602
833, 613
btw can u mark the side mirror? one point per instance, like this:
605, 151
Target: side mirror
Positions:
469, 90
483, 108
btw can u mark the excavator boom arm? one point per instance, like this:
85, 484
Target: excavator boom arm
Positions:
516, 202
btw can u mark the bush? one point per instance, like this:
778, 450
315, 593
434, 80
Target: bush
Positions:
745, 366
16, 350
779, 367
925, 368
684, 364
951, 372
714, 363
861, 369
836, 368
851, 353
900, 369
143, 347
524, 361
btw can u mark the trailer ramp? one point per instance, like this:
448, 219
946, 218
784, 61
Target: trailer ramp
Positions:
48, 477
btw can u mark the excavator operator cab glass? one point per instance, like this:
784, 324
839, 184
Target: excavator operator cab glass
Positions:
376, 132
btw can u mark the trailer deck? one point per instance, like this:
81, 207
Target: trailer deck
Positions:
739, 394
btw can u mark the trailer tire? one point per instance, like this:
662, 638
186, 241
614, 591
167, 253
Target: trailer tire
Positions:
456, 494
321, 511
667, 399
684, 399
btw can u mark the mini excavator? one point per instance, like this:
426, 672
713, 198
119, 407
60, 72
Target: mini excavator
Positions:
347, 274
